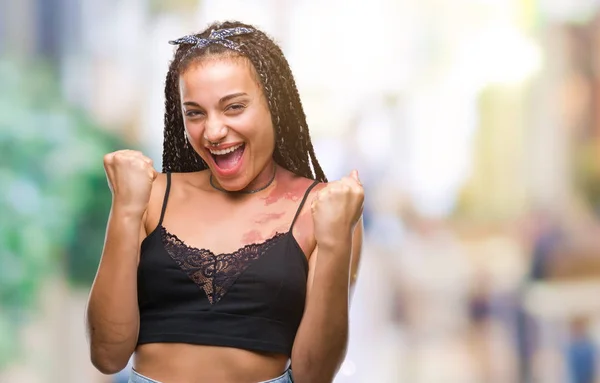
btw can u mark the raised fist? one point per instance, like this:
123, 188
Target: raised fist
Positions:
130, 176
337, 208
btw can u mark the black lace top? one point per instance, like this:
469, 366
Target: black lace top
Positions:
252, 298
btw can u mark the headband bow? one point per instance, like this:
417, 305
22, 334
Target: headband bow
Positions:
217, 36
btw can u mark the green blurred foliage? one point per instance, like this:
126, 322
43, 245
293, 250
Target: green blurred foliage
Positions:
55, 199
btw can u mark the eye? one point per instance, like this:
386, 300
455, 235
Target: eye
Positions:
193, 113
235, 108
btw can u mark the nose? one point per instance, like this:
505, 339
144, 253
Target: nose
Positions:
215, 130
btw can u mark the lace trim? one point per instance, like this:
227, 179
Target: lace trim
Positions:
214, 273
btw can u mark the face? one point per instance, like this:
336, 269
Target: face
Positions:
223, 104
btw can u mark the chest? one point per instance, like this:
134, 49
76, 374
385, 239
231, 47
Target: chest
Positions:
171, 273
222, 229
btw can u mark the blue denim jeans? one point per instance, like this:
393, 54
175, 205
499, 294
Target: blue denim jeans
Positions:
138, 378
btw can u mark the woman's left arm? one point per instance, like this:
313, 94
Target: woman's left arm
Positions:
320, 345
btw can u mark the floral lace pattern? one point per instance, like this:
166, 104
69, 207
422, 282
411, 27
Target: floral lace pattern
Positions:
214, 273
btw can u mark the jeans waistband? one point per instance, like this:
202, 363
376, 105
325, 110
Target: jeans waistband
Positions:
136, 377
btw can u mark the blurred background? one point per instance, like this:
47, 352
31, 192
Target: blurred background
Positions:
475, 125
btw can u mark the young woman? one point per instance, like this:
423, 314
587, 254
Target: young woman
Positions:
235, 264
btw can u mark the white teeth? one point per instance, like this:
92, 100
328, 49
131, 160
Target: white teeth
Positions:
224, 151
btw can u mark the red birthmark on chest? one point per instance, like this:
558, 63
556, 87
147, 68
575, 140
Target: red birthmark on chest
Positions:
291, 194
268, 217
253, 236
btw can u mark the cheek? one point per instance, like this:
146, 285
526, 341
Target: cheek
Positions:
267, 137
194, 131
267, 131
258, 129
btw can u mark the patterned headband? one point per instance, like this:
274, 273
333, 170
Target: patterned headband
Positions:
217, 36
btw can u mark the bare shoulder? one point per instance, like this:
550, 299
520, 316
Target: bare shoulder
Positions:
157, 195
314, 192
301, 183
303, 228
158, 187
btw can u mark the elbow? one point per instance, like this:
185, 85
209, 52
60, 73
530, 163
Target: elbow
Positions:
108, 366
109, 356
317, 367
108, 363
307, 368
302, 365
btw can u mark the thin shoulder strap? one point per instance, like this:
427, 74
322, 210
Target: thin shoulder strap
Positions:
303, 201
164, 206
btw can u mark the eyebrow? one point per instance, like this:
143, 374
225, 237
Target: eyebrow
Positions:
221, 101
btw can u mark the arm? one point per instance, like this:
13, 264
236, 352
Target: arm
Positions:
357, 242
112, 316
112, 312
320, 345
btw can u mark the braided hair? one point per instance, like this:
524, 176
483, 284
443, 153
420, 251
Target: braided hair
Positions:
293, 147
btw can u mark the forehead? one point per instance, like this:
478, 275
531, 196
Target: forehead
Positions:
217, 76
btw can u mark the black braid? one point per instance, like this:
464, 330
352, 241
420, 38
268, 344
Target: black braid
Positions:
282, 155
293, 147
178, 155
291, 93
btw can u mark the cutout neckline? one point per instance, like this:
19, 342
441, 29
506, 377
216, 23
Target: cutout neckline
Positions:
161, 228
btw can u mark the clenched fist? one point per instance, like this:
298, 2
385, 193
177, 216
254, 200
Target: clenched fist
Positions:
336, 209
130, 176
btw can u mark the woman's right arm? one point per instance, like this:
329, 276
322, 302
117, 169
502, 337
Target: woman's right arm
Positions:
112, 312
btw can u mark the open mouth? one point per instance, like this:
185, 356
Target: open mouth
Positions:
229, 158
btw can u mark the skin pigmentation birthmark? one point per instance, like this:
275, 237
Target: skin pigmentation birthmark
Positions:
268, 217
279, 192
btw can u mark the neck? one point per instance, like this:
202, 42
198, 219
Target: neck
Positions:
264, 179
